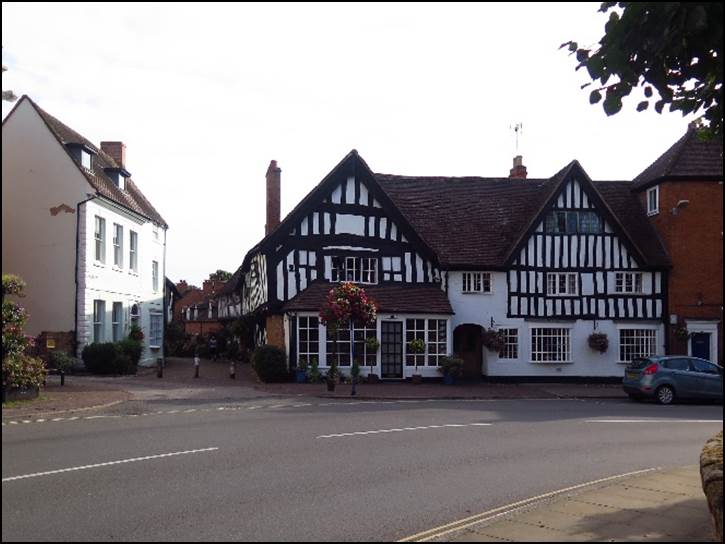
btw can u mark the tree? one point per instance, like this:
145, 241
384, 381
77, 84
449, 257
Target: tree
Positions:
674, 48
8, 96
220, 275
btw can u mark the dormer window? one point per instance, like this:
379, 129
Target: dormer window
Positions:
120, 181
118, 176
86, 159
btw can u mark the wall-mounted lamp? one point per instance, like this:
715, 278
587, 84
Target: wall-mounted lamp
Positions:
681, 204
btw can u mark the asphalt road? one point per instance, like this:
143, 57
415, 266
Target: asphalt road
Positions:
314, 470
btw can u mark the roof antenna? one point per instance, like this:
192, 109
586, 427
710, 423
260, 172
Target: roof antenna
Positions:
518, 129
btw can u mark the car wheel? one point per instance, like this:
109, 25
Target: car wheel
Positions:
665, 395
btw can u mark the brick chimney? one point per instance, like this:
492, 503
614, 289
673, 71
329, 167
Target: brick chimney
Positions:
273, 197
182, 286
117, 151
519, 170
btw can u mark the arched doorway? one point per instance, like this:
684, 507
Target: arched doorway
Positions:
468, 345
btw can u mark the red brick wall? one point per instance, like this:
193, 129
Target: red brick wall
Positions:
693, 238
202, 327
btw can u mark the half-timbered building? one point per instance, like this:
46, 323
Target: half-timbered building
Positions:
546, 262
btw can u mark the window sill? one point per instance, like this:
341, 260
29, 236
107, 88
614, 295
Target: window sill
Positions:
99, 264
477, 292
653, 212
551, 362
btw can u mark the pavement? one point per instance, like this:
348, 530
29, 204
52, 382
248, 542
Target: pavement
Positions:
659, 505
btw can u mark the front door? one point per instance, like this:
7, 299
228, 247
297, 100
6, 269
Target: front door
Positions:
701, 345
468, 344
391, 349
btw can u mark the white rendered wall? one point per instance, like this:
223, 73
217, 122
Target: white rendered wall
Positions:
38, 177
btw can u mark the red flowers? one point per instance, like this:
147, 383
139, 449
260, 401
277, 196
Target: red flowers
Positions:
348, 302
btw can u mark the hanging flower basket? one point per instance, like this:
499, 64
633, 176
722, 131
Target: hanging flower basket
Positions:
682, 333
598, 341
493, 339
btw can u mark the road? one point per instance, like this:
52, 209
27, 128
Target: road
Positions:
296, 469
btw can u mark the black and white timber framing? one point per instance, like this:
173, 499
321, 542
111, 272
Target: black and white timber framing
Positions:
596, 258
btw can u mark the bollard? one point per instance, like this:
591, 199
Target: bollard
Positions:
62, 377
159, 367
196, 366
233, 370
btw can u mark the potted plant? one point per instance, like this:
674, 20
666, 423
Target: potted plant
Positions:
315, 371
416, 346
372, 345
301, 372
332, 376
451, 368
598, 341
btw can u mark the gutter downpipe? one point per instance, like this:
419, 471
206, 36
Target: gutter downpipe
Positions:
75, 311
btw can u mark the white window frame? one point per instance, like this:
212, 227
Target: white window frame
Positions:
510, 349
369, 269
653, 208
434, 341
133, 251
650, 336
99, 235
156, 329
304, 346
117, 245
543, 356
117, 321
629, 282
155, 276
99, 320
354, 269
554, 288
477, 282
86, 159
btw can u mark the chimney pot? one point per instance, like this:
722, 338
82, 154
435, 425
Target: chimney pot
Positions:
117, 151
519, 170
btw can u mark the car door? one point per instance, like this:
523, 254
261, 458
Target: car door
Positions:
677, 372
706, 378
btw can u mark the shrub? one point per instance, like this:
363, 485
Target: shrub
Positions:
23, 371
112, 358
132, 348
270, 364
315, 371
451, 366
136, 333
175, 338
60, 360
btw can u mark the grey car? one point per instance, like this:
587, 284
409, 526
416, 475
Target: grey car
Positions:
671, 377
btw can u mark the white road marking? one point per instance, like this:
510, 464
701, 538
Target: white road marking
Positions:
438, 532
654, 420
381, 431
84, 467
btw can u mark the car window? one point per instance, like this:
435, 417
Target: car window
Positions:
640, 362
699, 365
676, 364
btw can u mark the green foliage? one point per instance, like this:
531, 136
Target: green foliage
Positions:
23, 371
416, 345
136, 333
673, 48
111, 357
175, 338
220, 275
132, 348
60, 360
315, 371
270, 364
18, 368
372, 344
451, 366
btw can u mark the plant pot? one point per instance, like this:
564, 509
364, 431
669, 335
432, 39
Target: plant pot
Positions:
11, 394
449, 380
330, 385
301, 376
373, 378
417, 379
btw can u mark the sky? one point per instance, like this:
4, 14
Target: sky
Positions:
205, 95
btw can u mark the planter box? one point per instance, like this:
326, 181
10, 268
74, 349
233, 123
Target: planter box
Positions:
449, 380
20, 393
373, 378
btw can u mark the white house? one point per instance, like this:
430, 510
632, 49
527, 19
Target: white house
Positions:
78, 230
545, 263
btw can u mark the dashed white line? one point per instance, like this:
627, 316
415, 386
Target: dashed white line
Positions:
654, 420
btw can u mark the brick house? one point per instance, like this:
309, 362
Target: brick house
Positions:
682, 194
198, 309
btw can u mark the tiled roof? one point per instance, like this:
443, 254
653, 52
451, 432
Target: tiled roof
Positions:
690, 157
131, 198
391, 298
232, 285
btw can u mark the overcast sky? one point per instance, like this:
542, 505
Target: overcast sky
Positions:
205, 95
